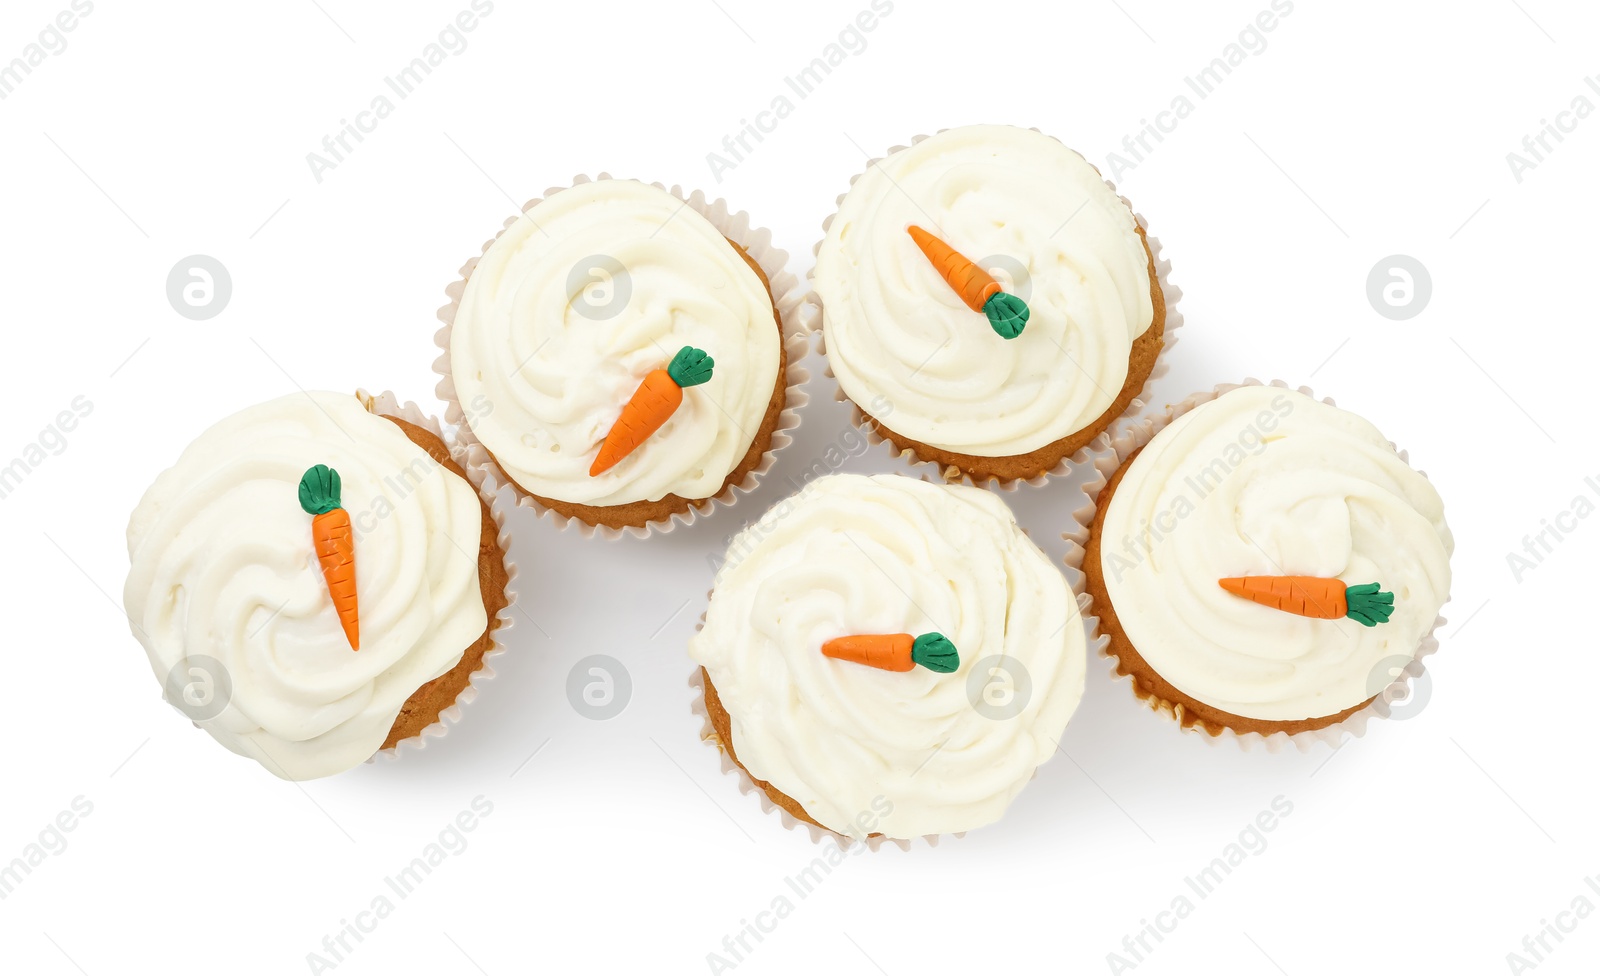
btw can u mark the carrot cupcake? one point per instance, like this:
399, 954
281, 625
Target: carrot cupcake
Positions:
314, 581
618, 357
988, 301
1266, 563
884, 656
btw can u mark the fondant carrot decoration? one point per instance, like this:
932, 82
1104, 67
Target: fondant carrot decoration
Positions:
335, 544
1316, 596
1007, 313
651, 405
896, 652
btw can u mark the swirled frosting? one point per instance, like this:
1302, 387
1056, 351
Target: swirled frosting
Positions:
1043, 222
1264, 481
880, 555
592, 289
226, 593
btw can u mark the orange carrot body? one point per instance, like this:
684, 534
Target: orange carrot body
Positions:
975, 285
1308, 596
657, 398
335, 545
659, 395
891, 652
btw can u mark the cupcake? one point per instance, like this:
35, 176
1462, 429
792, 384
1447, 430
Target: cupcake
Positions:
988, 302
315, 580
617, 354
1266, 563
887, 657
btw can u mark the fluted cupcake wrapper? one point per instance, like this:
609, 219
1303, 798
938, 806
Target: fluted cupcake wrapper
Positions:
812, 314
788, 296
388, 404
1123, 440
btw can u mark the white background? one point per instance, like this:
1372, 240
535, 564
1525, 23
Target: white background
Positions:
1363, 129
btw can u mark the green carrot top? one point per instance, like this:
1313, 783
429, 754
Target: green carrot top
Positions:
1368, 605
319, 490
935, 652
690, 367
1007, 314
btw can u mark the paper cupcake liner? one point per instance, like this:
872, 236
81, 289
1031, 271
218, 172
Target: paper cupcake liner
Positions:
811, 316
1129, 437
388, 404
788, 296
747, 786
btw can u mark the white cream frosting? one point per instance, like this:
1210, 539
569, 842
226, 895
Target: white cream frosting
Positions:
1264, 481
223, 569
906, 751
552, 357
896, 330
